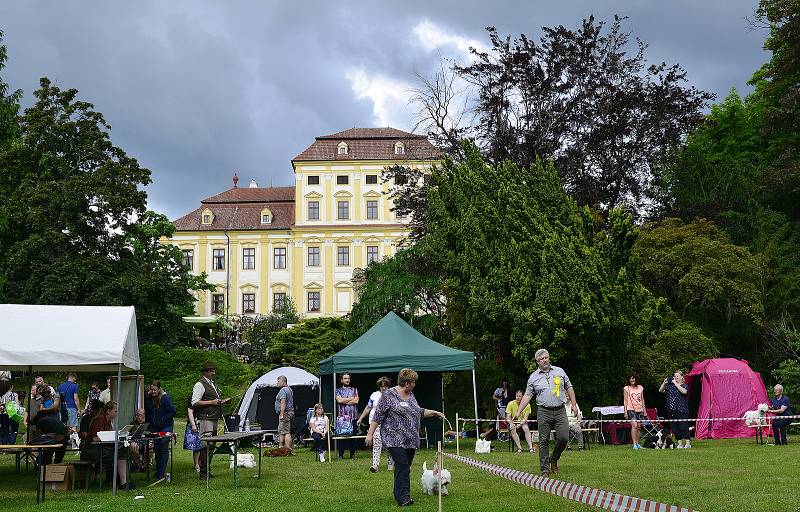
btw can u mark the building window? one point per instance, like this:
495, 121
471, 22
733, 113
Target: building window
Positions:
249, 258
218, 259
313, 302
343, 256
400, 179
342, 148
279, 257
313, 210
372, 209
372, 253
278, 301
343, 210
399, 149
206, 218
313, 256
265, 218
313, 180
248, 303
187, 258
342, 180
371, 179
217, 303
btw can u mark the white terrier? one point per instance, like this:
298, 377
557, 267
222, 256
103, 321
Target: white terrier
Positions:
752, 418
430, 480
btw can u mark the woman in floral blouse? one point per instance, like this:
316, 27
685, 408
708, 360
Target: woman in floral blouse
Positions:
399, 415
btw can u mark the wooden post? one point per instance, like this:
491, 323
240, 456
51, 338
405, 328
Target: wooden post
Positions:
329, 442
440, 460
458, 437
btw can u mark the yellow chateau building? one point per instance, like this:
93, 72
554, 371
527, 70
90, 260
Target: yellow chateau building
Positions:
260, 246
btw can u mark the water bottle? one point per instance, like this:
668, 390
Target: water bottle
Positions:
247, 425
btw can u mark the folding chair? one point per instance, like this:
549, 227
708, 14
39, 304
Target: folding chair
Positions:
423, 436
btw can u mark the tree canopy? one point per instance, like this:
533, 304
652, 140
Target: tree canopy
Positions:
78, 231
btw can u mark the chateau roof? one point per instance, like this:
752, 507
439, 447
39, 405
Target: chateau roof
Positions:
369, 144
240, 209
252, 195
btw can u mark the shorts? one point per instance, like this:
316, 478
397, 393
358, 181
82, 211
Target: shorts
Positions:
285, 425
636, 415
72, 418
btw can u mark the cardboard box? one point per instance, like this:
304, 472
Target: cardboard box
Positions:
58, 477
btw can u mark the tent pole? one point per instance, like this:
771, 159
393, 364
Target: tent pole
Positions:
116, 430
475, 401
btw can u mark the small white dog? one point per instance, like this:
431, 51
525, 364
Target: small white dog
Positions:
244, 460
430, 480
483, 446
752, 418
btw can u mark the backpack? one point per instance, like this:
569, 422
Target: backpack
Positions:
62, 398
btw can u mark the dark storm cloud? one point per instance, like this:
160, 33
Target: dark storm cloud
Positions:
198, 90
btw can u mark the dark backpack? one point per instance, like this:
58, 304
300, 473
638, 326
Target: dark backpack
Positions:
62, 398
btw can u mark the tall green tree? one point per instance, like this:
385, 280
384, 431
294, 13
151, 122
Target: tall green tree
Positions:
407, 284
778, 85
9, 125
524, 268
707, 280
78, 229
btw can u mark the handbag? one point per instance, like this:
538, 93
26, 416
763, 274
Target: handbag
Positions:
344, 426
191, 439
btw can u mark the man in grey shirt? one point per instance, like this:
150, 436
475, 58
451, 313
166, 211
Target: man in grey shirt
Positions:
284, 408
552, 389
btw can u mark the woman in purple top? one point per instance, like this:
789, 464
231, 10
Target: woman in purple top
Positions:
346, 414
398, 415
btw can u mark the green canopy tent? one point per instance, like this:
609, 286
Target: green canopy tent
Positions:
389, 346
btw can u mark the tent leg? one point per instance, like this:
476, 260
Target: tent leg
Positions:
116, 431
475, 401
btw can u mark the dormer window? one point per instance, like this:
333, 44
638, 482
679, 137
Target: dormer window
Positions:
266, 216
207, 217
399, 148
342, 148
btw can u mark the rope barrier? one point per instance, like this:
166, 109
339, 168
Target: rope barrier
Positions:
599, 498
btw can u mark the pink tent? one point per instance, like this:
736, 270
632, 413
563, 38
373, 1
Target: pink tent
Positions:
729, 389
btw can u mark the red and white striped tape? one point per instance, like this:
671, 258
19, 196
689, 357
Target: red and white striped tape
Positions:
599, 498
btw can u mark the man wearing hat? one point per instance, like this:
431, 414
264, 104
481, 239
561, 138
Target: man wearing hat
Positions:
207, 405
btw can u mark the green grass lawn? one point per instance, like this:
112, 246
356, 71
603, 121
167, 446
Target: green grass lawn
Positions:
724, 475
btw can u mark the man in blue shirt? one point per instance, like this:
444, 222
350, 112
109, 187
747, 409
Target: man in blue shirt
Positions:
70, 391
780, 407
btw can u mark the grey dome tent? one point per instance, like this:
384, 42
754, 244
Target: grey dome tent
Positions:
387, 347
258, 402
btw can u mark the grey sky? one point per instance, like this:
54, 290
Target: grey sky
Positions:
198, 90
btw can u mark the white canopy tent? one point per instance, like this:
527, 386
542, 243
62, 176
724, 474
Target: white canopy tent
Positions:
295, 377
69, 338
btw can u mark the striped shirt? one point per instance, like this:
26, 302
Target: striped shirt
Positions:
399, 420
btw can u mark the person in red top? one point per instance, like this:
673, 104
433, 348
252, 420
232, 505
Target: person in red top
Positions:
105, 421
633, 397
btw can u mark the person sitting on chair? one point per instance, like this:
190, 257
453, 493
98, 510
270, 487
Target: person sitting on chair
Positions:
94, 407
136, 447
319, 430
511, 412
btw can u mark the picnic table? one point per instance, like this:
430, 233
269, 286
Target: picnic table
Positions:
237, 440
39, 449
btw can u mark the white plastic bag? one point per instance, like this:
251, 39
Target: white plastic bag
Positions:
245, 460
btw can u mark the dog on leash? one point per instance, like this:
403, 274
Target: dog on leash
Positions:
753, 418
430, 480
